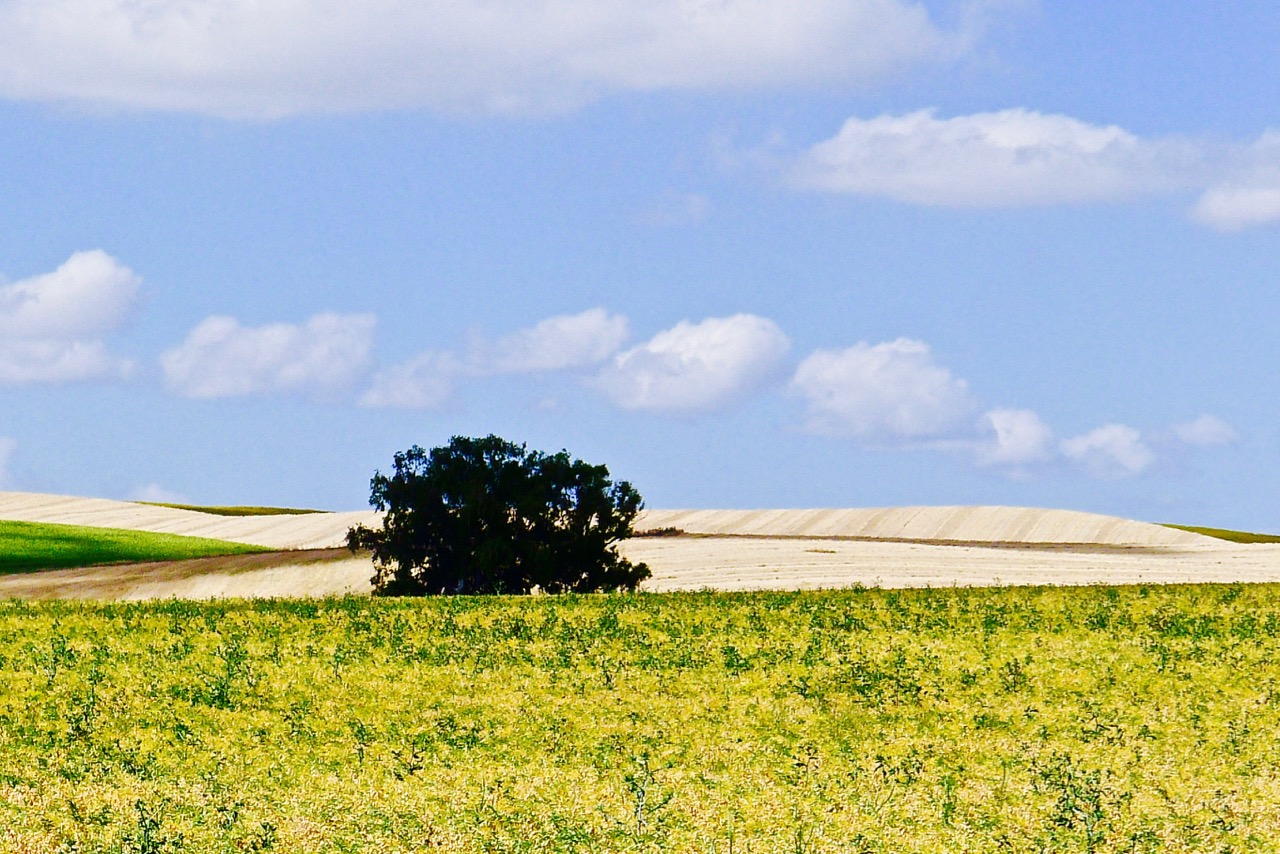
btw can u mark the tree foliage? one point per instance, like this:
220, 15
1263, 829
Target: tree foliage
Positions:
490, 516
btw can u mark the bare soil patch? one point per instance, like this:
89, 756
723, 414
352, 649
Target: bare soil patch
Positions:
309, 572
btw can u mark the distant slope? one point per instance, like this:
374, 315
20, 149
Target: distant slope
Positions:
310, 531
928, 524
1227, 534
919, 524
216, 510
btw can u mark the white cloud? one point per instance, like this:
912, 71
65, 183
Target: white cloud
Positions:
424, 382
323, 358
7, 447
247, 58
560, 343
1020, 439
1205, 430
695, 367
677, 209
889, 391
87, 296
1008, 158
52, 325
1110, 451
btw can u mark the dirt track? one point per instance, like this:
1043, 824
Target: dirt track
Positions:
313, 572
691, 563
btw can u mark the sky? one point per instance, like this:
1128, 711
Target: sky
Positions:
746, 253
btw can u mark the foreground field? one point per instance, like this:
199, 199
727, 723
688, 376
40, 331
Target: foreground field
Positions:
1086, 719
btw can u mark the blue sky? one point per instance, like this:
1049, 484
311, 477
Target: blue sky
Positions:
747, 253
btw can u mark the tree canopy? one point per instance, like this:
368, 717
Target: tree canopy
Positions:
490, 516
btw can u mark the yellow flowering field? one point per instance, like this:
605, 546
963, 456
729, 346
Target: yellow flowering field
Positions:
1093, 719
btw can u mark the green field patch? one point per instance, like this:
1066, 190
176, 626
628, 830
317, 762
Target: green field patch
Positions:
234, 511
1139, 719
1226, 534
33, 546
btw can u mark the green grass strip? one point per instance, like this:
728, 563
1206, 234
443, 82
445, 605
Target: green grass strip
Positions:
234, 511
1225, 534
32, 546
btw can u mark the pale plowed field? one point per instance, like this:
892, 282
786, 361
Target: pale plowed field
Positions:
309, 531
927, 524
724, 550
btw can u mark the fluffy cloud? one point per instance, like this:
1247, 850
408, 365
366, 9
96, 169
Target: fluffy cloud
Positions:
696, 367
323, 358
1110, 451
245, 58
154, 493
52, 326
884, 392
1020, 438
1205, 430
564, 342
1001, 159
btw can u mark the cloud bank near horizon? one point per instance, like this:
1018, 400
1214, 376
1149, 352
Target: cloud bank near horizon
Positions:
889, 395
892, 394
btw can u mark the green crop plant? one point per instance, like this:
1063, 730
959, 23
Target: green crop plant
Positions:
949, 720
32, 546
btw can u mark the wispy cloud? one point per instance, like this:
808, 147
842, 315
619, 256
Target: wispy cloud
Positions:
1019, 439
1023, 158
677, 209
1010, 158
7, 447
565, 342
424, 382
1205, 430
242, 58
1110, 451
154, 493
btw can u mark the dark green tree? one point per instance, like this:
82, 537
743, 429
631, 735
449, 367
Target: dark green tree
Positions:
490, 516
